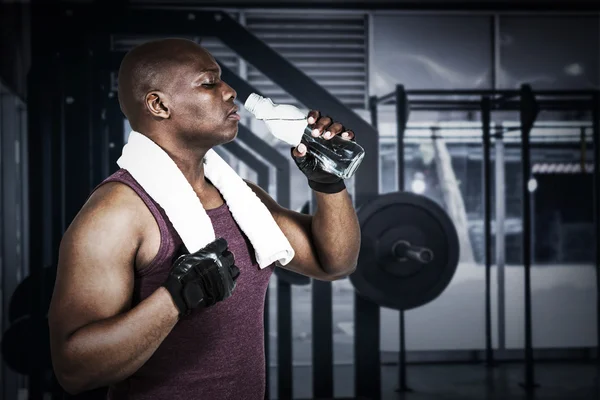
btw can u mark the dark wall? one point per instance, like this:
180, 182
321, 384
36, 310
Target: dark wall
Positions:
14, 46
13, 216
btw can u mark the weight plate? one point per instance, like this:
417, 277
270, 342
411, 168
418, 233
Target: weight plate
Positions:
21, 301
403, 284
19, 342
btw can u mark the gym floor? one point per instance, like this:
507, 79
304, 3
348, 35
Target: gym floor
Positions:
564, 381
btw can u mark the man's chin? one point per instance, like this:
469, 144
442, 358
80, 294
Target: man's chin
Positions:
229, 136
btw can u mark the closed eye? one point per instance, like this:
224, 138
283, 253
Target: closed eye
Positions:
211, 83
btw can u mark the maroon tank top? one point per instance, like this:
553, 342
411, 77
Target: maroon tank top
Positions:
215, 353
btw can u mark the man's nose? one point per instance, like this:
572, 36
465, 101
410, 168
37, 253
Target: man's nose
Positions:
229, 93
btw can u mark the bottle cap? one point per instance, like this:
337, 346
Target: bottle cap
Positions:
252, 101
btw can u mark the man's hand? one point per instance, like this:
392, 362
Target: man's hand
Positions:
318, 179
203, 278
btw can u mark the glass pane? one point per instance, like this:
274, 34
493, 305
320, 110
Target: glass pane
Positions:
430, 52
562, 273
443, 163
459, 310
549, 52
563, 277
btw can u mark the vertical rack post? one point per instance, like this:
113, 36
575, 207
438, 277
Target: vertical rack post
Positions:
529, 110
402, 111
367, 346
486, 111
596, 135
367, 349
322, 339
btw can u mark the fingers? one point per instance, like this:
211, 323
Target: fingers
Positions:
218, 246
349, 135
299, 151
323, 126
313, 116
227, 258
228, 261
235, 272
335, 129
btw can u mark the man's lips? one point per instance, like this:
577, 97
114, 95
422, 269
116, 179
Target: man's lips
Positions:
233, 114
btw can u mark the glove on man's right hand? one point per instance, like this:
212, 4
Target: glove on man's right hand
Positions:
203, 278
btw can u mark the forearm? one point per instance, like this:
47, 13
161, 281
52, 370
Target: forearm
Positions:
336, 233
111, 350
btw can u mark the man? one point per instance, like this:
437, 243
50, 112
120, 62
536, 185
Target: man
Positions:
128, 311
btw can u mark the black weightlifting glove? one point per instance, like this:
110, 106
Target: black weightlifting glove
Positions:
318, 180
203, 278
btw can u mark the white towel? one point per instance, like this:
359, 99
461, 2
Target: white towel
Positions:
160, 177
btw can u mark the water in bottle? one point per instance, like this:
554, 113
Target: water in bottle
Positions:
337, 156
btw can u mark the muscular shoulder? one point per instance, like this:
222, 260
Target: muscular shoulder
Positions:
95, 272
114, 209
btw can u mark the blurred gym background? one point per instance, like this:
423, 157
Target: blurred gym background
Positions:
61, 133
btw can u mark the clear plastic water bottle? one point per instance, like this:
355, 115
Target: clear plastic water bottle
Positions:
338, 156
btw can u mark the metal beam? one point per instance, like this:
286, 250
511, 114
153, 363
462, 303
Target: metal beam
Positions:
402, 113
486, 116
500, 199
367, 329
529, 111
373, 111
486, 92
367, 348
475, 105
402, 5
596, 134
322, 339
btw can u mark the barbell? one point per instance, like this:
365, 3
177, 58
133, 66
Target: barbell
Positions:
409, 251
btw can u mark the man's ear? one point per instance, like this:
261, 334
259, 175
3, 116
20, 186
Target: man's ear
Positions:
157, 104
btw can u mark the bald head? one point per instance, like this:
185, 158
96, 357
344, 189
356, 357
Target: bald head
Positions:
171, 90
148, 67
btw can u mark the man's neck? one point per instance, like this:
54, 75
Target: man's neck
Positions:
189, 161
191, 164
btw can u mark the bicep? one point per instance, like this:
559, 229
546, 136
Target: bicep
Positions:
95, 271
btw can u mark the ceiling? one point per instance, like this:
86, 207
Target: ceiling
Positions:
500, 5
